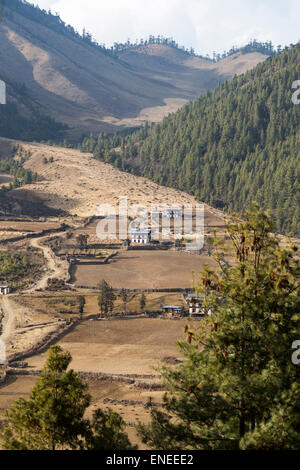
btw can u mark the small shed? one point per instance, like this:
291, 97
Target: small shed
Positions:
4, 290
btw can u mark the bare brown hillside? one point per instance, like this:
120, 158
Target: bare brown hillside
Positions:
76, 183
81, 86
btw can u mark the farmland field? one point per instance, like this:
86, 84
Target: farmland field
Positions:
15, 228
64, 304
24, 226
127, 346
144, 270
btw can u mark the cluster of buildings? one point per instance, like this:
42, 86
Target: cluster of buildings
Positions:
195, 305
167, 212
194, 309
145, 235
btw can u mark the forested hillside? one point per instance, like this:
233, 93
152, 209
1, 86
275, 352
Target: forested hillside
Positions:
22, 118
231, 146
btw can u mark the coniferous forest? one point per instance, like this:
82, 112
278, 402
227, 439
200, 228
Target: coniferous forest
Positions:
229, 147
22, 119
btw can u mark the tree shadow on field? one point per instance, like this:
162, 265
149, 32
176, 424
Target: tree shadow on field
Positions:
123, 258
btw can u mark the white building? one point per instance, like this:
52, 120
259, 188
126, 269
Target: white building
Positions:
141, 235
4, 290
195, 304
169, 212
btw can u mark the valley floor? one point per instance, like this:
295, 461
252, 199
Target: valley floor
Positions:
115, 355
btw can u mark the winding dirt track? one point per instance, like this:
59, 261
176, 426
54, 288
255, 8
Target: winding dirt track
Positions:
16, 333
55, 268
10, 318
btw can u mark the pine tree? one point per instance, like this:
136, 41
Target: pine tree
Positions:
106, 298
53, 416
82, 241
143, 301
111, 300
282, 430
107, 432
103, 298
81, 304
124, 297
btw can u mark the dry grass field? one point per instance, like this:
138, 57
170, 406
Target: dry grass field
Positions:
11, 228
14, 388
92, 183
127, 346
30, 226
144, 270
120, 346
65, 304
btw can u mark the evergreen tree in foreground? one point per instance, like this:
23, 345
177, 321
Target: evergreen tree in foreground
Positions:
53, 416
238, 388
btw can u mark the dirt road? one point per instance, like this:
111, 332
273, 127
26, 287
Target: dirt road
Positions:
10, 319
13, 318
55, 267
23, 327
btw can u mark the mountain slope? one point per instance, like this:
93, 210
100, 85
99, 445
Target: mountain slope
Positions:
89, 89
237, 144
93, 183
22, 117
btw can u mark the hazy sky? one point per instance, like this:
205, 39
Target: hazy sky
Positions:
206, 25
